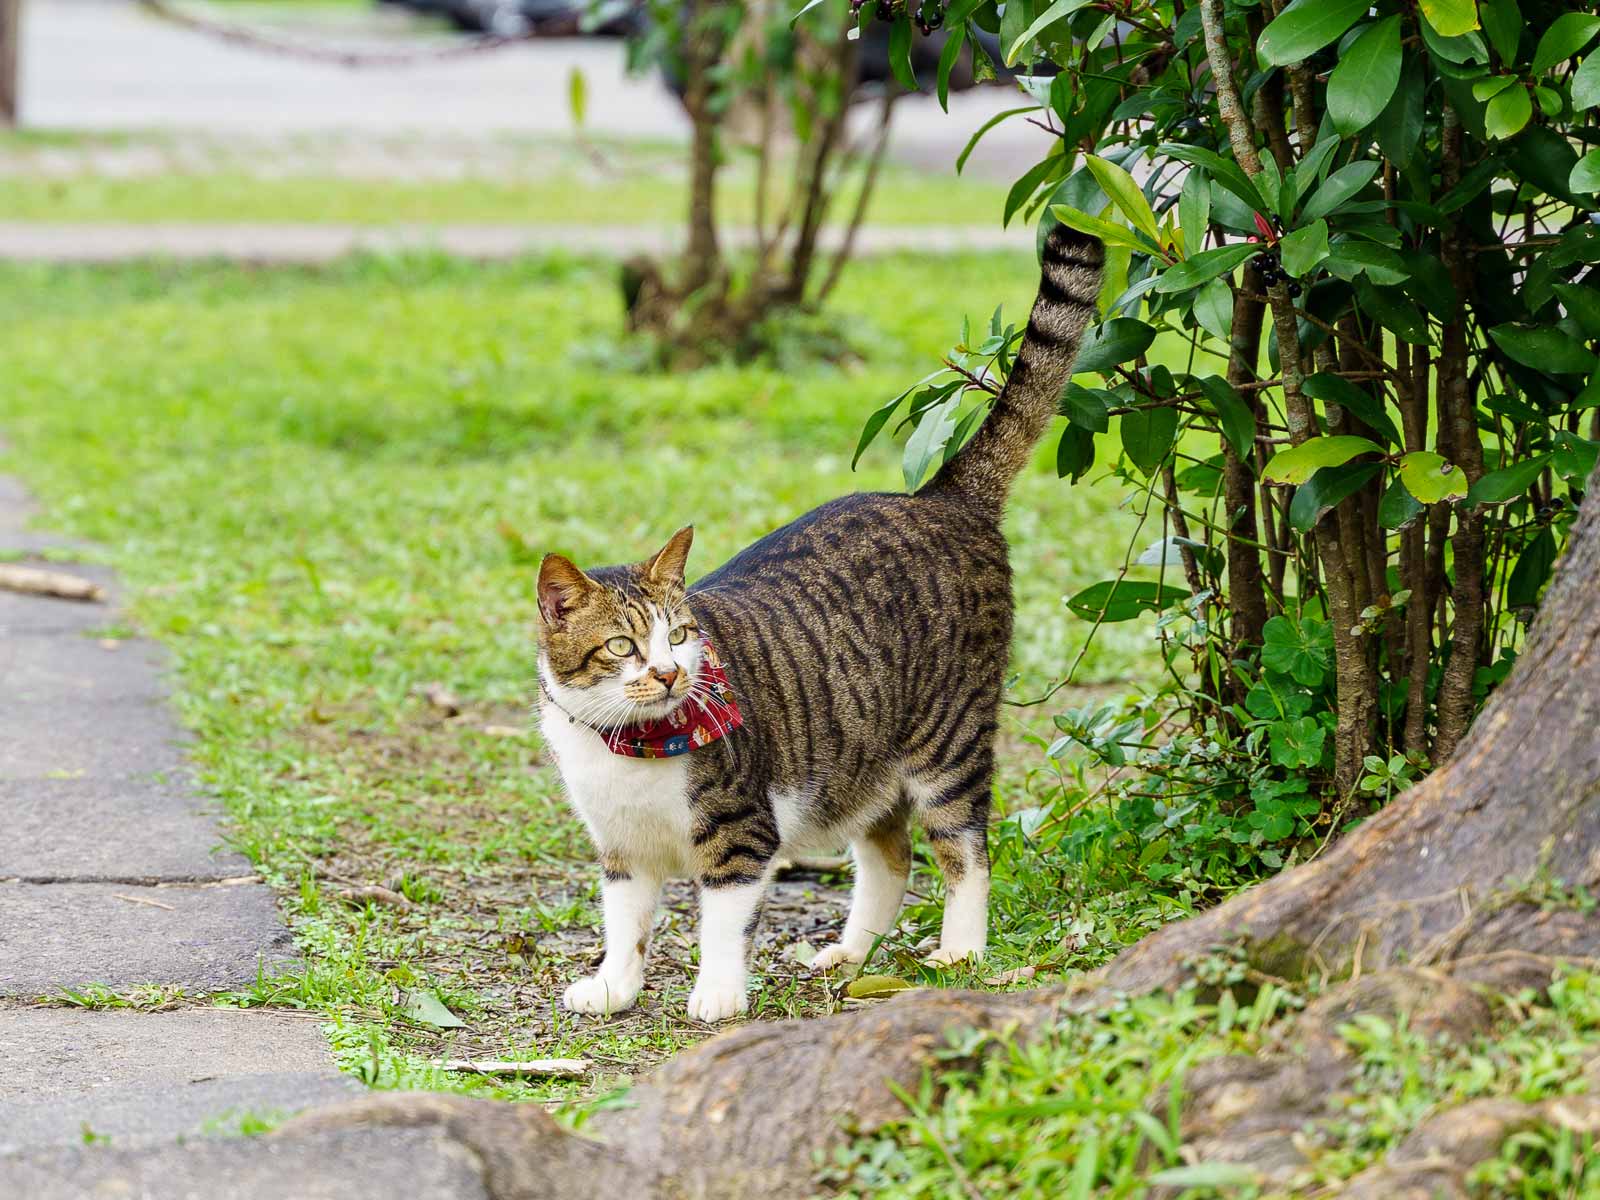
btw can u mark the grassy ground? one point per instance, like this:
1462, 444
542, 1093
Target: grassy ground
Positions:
329, 489
140, 178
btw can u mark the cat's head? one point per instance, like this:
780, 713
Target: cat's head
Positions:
619, 645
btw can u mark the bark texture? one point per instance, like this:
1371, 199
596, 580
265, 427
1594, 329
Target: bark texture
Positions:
1454, 877
10, 37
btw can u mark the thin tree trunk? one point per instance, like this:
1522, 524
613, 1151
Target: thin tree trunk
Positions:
702, 256
10, 54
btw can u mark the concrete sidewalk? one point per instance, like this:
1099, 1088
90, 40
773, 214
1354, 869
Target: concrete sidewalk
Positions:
113, 872
30, 241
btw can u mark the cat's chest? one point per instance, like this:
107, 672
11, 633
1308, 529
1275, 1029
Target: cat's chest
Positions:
635, 807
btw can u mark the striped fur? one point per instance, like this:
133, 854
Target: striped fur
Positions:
867, 643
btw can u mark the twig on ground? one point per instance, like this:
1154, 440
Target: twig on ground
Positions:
375, 894
550, 1068
142, 900
37, 581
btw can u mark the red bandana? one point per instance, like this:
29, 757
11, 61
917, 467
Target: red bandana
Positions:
709, 714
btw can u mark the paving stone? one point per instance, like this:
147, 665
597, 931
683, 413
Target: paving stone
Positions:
15, 540
199, 937
16, 506
142, 830
417, 1164
138, 1077
72, 708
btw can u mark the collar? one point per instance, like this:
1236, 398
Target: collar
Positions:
708, 714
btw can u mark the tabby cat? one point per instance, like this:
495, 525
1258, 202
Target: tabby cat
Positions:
839, 675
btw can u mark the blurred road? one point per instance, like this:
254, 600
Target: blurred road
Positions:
105, 64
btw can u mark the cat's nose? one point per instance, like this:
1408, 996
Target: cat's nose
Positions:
668, 678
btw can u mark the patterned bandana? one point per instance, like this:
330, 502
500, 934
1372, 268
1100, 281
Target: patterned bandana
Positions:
709, 714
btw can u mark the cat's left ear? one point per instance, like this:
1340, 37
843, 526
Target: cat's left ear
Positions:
667, 566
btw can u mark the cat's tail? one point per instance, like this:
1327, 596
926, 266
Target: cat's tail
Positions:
1071, 265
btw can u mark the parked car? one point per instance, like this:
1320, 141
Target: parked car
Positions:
527, 18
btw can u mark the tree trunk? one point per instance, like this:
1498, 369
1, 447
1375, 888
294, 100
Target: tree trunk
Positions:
1443, 879
10, 52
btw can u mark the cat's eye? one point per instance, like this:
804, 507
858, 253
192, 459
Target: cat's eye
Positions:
621, 647
679, 636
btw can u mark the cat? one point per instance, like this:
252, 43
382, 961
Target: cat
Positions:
825, 684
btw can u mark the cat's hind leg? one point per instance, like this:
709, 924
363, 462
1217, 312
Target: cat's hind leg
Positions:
953, 803
629, 900
883, 861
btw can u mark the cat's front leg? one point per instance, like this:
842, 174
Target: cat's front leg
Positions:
735, 841
629, 899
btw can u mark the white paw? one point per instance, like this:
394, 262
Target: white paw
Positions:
717, 1000
949, 956
838, 955
598, 994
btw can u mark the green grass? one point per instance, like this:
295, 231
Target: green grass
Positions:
326, 488
1088, 1109
535, 182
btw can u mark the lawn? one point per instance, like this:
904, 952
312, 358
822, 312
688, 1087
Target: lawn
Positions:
146, 178
329, 489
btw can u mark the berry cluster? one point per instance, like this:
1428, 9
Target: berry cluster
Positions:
1271, 270
927, 15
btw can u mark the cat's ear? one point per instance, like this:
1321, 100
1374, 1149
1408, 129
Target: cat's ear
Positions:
667, 566
562, 588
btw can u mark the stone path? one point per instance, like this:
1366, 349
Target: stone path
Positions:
113, 872
37, 241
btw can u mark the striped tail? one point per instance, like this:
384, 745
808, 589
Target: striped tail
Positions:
1069, 283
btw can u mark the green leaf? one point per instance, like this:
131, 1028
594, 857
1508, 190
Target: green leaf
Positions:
1502, 21
1107, 231
1226, 172
1393, 312
1378, 263
427, 1009
1298, 463
1585, 176
900, 52
1074, 453
1233, 414
1531, 571
1303, 249
928, 439
1213, 308
1194, 211
947, 60
1085, 407
972, 142
1586, 83
1123, 599
1301, 650
1205, 266
1451, 18
1575, 457
1366, 77
1297, 743
1399, 127
1567, 34
1207, 1175
1340, 186
1147, 436
1325, 490
577, 95
1398, 508
1582, 303
1056, 11
1508, 112
1361, 404
1544, 348
1430, 478
882, 414
1028, 183
873, 987
1112, 343
1125, 194
1508, 482
1305, 27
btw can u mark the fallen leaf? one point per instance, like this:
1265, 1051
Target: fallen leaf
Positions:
871, 987
1019, 975
504, 731
428, 1009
